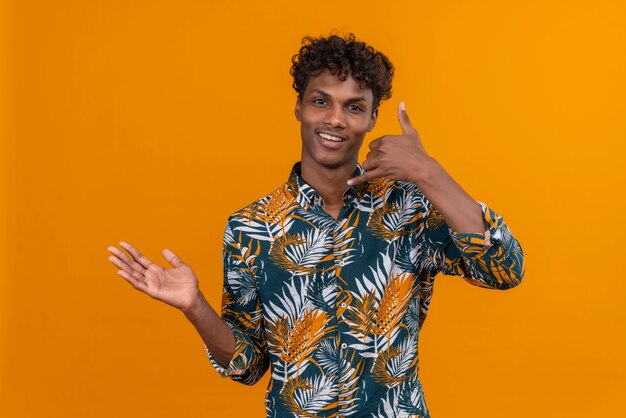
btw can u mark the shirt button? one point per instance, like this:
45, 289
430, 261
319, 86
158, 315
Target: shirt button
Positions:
342, 263
343, 305
344, 346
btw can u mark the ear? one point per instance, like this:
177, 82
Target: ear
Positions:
298, 110
373, 120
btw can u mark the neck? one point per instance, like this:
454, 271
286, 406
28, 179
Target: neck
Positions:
329, 183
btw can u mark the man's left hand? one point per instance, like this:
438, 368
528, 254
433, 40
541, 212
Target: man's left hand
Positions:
396, 157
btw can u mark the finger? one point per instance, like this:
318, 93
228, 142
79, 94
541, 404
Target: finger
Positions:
373, 154
371, 163
364, 178
134, 282
405, 122
172, 258
140, 258
120, 264
375, 144
122, 256
126, 268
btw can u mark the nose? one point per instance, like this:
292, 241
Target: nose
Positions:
335, 117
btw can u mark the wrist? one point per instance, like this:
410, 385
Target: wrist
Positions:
424, 171
197, 309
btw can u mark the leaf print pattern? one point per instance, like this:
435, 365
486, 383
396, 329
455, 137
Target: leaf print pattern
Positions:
394, 365
336, 305
360, 316
389, 220
308, 397
300, 253
392, 305
303, 338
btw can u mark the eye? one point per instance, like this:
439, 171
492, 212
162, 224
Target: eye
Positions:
355, 108
319, 101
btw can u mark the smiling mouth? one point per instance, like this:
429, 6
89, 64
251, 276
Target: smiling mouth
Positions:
329, 137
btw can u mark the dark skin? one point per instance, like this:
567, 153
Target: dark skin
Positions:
334, 117
403, 157
344, 111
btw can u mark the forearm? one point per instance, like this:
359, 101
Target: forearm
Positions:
216, 334
461, 212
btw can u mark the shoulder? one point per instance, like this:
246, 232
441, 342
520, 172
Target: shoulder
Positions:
272, 202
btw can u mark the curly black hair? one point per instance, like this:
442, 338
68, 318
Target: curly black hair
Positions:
343, 56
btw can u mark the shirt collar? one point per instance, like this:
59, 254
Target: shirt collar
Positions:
307, 196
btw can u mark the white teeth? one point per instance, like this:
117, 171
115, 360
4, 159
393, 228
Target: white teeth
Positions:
330, 137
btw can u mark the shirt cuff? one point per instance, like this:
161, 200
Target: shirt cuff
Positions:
476, 244
238, 359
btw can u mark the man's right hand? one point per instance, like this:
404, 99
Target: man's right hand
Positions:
176, 286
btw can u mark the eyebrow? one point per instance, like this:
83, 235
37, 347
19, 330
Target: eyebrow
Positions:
351, 100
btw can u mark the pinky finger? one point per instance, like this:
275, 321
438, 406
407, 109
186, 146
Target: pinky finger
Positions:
134, 282
369, 175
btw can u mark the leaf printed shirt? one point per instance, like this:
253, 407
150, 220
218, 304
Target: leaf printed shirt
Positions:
333, 307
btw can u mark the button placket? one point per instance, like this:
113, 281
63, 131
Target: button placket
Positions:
340, 307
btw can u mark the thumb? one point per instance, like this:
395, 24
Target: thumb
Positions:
172, 258
405, 122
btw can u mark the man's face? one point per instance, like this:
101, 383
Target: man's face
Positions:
334, 116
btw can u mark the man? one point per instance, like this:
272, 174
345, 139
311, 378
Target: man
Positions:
329, 278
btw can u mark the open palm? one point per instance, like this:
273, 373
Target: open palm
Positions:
176, 286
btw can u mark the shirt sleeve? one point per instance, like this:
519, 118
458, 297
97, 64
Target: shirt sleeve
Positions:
492, 259
241, 310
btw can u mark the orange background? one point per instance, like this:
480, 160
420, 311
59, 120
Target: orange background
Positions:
152, 121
